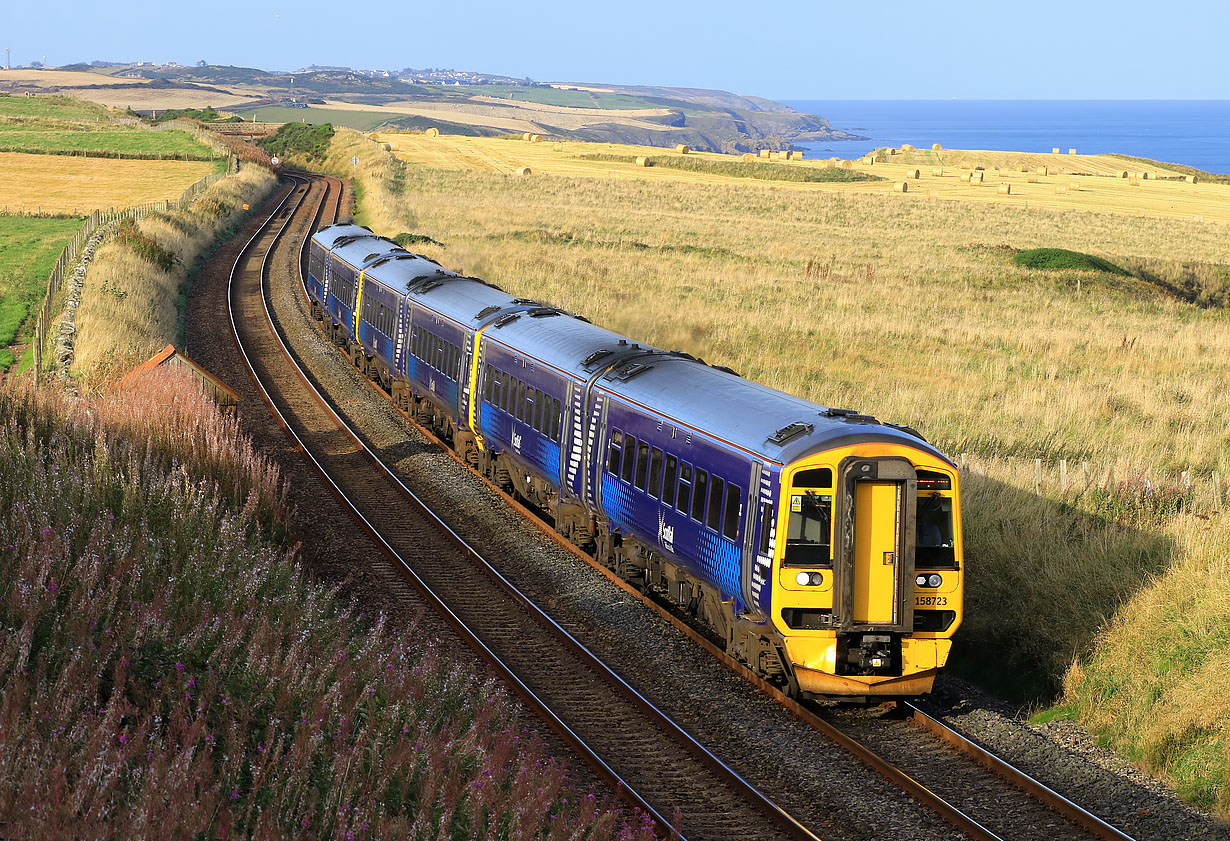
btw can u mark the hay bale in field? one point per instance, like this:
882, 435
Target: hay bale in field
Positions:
935, 147
1071, 151
975, 178
1191, 179
1022, 168
1060, 189
642, 161
913, 173
1075, 185
1123, 173
937, 171
868, 161
906, 147
388, 147
524, 170
1134, 181
683, 148
894, 152
432, 132
847, 164
966, 165
1032, 178
796, 156
901, 187
526, 135
748, 156
535, 138
830, 164
1054, 150
766, 153
1144, 176
1042, 170
1004, 189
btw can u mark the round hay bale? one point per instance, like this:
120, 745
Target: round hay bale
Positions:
524, 170
748, 156
1071, 151
830, 164
937, 171
935, 147
388, 147
869, 161
796, 156
975, 178
966, 165
1135, 182
526, 135
913, 173
847, 164
764, 153
1022, 168
433, 132
1191, 179
901, 187
1144, 176
894, 152
1004, 189
642, 161
535, 138
1042, 170
1060, 189
682, 149
1123, 173
906, 147
1054, 150
1032, 178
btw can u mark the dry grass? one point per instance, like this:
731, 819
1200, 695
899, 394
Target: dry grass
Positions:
129, 306
1101, 190
79, 186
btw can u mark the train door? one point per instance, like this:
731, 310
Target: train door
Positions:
874, 552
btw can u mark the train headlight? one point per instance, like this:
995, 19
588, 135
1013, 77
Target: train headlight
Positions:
921, 581
816, 579
803, 579
934, 580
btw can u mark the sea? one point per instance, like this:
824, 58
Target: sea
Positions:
1191, 132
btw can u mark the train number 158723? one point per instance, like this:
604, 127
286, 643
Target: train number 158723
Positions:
930, 601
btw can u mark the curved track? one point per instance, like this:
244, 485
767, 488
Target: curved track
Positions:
619, 733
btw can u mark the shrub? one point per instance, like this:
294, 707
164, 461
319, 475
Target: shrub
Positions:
1058, 259
308, 141
127, 233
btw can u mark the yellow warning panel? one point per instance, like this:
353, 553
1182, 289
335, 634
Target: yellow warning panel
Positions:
876, 511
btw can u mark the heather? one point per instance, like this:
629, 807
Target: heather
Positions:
166, 671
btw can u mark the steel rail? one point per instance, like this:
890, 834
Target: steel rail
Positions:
774, 812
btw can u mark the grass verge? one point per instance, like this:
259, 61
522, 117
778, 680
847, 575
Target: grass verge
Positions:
29, 247
163, 665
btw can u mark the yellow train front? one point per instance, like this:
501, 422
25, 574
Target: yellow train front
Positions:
866, 584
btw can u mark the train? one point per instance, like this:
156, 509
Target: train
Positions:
822, 545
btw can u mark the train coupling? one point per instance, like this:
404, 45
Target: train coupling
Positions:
874, 654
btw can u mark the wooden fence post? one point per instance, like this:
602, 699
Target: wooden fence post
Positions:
1063, 476
1038, 476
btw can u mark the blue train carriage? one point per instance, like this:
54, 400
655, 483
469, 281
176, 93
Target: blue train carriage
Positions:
822, 545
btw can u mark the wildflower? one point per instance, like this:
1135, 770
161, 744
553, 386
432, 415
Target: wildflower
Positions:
52, 586
234, 795
123, 738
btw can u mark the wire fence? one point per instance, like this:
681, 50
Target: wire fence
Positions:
98, 219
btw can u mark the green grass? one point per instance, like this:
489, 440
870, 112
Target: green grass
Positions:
119, 143
741, 169
29, 247
1060, 259
359, 120
49, 108
570, 99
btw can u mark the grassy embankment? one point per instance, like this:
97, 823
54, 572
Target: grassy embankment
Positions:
131, 303
164, 671
29, 247
914, 311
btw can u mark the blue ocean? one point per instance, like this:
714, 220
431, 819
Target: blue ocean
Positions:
1191, 132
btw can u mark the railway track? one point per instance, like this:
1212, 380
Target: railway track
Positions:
623, 736
976, 793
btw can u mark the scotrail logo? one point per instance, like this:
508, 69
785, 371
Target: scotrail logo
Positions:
516, 441
666, 534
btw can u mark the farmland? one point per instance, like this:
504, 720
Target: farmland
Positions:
173, 145
29, 247
914, 310
79, 185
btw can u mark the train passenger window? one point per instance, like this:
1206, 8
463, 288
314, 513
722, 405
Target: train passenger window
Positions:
487, 386
668, 480
556, 419
629, 459
766, 527
520, 400
809, 531
538, 414
655, 472
714, 518
734, 504
699, 488
510, 391
685, 488
933, 536
642, 464
615, 452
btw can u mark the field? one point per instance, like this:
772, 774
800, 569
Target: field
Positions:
80, 185
29, 247
362, 120
1073, 182
174, 145
914, 311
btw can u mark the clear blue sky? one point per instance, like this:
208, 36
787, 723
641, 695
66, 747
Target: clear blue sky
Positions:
785, 50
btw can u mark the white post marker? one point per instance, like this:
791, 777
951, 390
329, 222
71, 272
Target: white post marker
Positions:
274, 160
354, 162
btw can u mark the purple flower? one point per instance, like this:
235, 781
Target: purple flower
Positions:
46, 532
52, 586
123, 738
179, 667
234, 795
